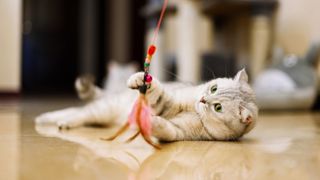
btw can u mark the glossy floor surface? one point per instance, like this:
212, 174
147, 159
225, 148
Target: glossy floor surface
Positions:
282, 146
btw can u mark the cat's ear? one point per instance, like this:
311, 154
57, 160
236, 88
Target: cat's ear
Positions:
246, 116
241, 76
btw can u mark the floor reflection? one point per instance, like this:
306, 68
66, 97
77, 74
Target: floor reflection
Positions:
227, 160
9, 144
277, 149
129, 155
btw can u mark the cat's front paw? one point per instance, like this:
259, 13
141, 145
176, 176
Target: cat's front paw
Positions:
160, 129
136, 80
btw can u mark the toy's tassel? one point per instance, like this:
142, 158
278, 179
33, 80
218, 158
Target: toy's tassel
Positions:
145, 118
141, 115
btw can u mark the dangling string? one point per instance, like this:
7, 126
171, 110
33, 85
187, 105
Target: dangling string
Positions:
156, 31
141, 112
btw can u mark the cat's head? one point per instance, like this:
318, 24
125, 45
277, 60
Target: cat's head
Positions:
228, 107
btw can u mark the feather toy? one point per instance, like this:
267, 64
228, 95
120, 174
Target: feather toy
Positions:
141, 112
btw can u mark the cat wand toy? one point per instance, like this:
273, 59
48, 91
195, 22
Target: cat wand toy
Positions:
141, 112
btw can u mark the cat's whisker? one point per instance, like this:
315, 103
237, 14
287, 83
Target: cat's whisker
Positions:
212, 72
175, 75
171, 73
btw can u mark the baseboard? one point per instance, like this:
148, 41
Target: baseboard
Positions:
9, 95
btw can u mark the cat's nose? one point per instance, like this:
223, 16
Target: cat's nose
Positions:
202, 100
247, 121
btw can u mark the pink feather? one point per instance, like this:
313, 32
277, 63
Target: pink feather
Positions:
145, 118
133, 114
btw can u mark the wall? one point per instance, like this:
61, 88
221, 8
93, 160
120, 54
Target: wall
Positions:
298, 24
10, 45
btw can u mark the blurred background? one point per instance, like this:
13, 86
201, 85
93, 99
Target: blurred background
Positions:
46, 44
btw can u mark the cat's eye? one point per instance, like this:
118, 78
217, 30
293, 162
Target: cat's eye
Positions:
218, 107
213, 89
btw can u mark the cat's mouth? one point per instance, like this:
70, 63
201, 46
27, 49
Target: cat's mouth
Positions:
201, 107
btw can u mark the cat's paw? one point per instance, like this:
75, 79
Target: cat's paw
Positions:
64, 119
64, 125
136, 80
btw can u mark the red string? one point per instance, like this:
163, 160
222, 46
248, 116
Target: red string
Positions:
156, 31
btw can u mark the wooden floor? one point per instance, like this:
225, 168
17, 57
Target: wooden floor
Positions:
282, 146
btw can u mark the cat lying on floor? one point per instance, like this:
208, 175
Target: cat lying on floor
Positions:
222, 109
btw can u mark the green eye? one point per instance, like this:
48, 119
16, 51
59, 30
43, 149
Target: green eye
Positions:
213, 89
218, 107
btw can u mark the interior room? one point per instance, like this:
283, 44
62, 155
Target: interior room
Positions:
159, 89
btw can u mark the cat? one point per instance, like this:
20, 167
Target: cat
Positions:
221, 109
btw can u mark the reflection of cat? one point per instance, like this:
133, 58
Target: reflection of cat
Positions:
222, 109
131, 155
245, 159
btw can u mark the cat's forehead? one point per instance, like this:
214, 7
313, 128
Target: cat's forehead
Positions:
230, 89
225, 83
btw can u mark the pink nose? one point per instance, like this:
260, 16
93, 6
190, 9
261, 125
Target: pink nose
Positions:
248, 120
202, 100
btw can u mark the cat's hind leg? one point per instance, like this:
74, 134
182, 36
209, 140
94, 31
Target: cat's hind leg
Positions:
66, 118
86, 89
80, 118
54, 116
97, 112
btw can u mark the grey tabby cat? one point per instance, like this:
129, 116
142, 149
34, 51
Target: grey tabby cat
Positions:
222, 109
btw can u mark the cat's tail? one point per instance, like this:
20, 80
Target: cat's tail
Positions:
86, 89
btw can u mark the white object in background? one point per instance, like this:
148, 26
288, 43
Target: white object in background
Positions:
188, 51
10, 45
170, 34
206, 34
276, 90
260, 43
